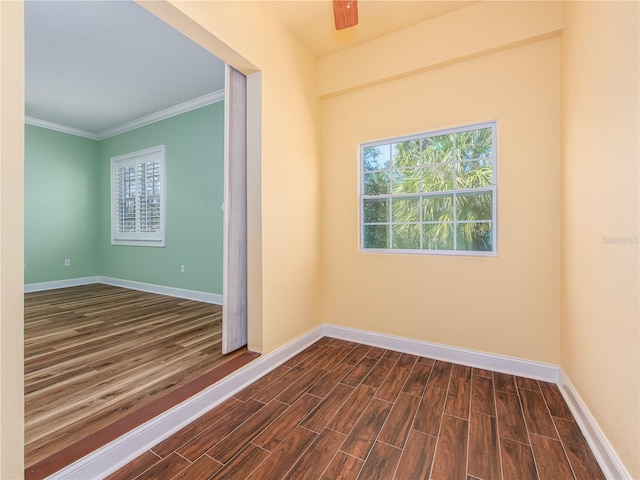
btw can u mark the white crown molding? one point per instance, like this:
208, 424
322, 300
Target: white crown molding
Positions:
611, 465
185, 107
60, 128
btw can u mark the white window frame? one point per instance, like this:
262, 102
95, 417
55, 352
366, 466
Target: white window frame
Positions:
138, 237
422, 194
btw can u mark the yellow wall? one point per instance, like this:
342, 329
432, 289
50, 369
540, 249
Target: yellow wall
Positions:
287, 292
466, 33
599, 331
305, 267
507, 305
11, 239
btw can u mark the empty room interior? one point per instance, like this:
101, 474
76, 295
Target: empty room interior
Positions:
442, 222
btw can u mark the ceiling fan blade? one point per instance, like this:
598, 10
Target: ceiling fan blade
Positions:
345, 13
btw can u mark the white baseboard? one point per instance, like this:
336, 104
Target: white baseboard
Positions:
473, 358
162, 290
119, 282
607, 458
122, 450
109, 458
72, 282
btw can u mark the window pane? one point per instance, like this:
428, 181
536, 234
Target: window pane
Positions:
376, 211
437, 236
406, 180
437, 208
437, 177
377, 158
437, 149
474, 144
406, 236
474, 206
475, 174
376, 183
406, 210
406, 154
474, 236
376, 236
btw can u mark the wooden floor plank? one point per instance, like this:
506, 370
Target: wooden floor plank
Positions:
318, 419
550, 458
206, 439
242, 464
209, 419
400, 419
451, 452
417, 457
347, 416
584, 463
393, 384
447, 433
440, 375
275, 433
382, 462
536, 415
430, 412
482, 400
343, 467
365, 431
317, 458
484, 453
96, 353
141, 464
229, 446
285, 455
458, 397
417, 380
517, 460
357, 373
510, 420
201, 469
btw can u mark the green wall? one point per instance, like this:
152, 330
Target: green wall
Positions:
62, 205
194, 161
194, 193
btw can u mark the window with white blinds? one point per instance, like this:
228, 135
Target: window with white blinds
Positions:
137, 198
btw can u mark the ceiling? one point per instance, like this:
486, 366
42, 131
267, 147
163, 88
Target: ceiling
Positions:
97, 65
312, 21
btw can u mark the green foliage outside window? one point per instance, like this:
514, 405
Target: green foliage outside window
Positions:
434, 192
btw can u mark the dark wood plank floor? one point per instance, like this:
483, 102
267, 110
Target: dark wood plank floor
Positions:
340, 410
96, 353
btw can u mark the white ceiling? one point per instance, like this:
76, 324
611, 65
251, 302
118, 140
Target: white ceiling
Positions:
95, 65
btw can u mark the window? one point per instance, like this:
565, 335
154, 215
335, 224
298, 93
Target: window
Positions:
430, 193
137, 198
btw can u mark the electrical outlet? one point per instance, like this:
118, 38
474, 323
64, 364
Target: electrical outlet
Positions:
67, 262
181, 268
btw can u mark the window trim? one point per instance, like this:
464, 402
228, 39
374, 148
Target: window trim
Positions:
432, 133
138, 238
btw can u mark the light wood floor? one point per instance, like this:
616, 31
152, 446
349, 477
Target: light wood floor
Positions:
95, 353
341, 410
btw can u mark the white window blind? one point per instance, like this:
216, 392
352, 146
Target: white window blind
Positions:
137, 198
